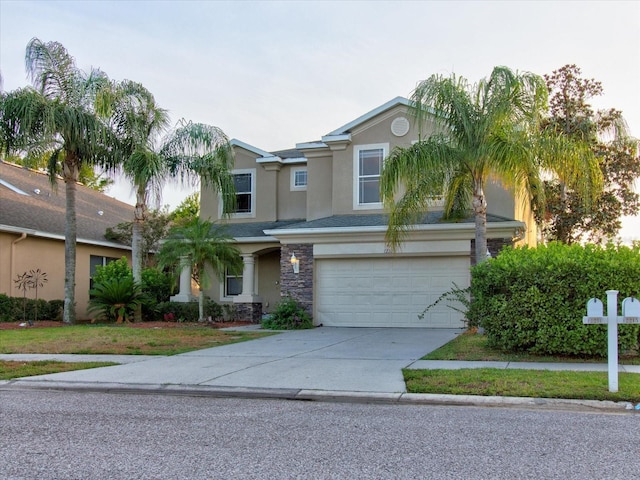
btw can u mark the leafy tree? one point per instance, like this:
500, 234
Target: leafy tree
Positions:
58, 116
208, 250
187, 210
567, 219
487, 129
155, 228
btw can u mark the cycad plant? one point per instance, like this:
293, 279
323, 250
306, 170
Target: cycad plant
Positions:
116, 299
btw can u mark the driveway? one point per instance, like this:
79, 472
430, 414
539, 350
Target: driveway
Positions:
325, 358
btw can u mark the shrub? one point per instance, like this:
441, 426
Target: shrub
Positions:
157, 287
288, 315
534, 299
188, 312
11, 309
116, 298
116, 269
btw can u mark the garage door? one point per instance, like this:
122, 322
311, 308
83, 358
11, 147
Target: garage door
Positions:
381, 292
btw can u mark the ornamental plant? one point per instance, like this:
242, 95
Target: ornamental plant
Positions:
533, 299
288, 315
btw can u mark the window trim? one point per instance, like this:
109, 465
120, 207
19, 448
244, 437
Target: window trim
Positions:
298, 188
223, 294
252, 213
356, 174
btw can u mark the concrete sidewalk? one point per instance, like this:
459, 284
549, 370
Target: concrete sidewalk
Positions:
352, 364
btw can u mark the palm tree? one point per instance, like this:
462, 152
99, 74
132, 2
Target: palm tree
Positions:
58, 115
208, 249
485, 130
190, 151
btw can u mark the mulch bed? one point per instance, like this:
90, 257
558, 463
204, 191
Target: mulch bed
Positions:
50, 323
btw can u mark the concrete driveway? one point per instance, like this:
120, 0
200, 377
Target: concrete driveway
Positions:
325, 358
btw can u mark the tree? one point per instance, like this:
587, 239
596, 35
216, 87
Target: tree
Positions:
58, 115
207, 249
155, 228
566, 218
487, 129
188, 209
190, 151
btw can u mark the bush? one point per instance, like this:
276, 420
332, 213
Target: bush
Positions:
116, 298
116, 269
534, 299
157, 287
288, 315
11, 309
188, 312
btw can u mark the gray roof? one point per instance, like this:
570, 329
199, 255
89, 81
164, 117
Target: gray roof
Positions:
340, 221
45, 211
256, 229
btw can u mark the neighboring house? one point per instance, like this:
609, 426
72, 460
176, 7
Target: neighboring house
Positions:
32, 223
320, 202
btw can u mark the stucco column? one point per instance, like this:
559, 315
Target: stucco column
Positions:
248, 281
185, 283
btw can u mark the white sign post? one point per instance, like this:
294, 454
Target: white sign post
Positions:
630, 314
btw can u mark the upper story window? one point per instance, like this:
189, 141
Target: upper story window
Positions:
299, 179
368, 160
245, 184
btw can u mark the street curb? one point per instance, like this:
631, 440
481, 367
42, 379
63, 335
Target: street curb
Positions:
401, 398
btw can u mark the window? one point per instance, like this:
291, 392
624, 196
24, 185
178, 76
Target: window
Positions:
232, 284
244, 183
368, 161
299, 179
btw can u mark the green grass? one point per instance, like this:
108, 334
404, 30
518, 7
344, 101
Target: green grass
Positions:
471, 346
523, 383
10, 369
118, 339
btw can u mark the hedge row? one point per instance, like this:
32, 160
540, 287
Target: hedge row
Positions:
14, 309
533, 299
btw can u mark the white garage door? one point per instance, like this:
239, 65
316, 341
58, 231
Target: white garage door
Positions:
383, 292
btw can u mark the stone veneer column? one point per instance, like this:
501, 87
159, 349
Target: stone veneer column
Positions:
494, 245
298, 286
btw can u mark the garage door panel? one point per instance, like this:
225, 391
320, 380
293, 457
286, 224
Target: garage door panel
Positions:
388, 292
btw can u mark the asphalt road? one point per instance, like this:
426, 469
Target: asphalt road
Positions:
64, 435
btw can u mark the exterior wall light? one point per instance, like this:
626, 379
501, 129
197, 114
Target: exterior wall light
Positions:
295, 263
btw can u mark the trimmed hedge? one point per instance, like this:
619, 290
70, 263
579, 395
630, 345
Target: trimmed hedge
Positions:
11, 309
533, 299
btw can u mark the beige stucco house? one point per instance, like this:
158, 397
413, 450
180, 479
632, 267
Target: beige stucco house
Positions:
32, 222
318, 206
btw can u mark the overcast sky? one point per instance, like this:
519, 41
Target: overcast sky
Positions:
274, 74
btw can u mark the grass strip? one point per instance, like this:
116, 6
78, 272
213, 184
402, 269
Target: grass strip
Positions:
471, 346
118, 339
12, 369
523, 383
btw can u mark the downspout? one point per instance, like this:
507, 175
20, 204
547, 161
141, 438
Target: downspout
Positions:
13, 260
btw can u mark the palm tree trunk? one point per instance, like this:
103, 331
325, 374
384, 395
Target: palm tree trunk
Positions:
137, 228
201, 306
70, 234
480, 214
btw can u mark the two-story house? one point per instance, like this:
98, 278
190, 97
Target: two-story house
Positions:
310, 224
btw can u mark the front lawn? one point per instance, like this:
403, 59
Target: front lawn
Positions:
470, 346
118, 339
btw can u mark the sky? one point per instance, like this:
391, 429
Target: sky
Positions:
274, 74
